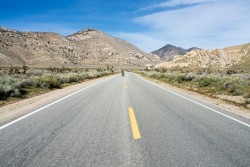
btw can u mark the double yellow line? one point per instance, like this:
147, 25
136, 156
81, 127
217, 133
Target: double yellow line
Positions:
134, 126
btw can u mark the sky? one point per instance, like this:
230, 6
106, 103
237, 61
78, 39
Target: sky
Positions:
148, 24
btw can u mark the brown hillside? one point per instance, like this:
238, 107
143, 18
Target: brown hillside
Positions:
89, 47
237, 57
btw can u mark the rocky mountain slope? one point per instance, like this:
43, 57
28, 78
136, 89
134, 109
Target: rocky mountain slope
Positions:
168, 52
236, 57
86, 47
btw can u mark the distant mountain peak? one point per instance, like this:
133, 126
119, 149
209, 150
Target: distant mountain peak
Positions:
84, 34
168, 51
168, 45
86, 30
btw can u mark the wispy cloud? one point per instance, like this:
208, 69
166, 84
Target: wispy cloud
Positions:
207, 25
173, 3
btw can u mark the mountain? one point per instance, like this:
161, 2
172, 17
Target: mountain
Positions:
235, 57
105, 48
87, 47
168, 52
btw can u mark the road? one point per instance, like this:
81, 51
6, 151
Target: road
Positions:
126, 121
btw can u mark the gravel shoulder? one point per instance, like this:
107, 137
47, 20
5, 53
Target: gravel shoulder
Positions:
20, 108
221, 102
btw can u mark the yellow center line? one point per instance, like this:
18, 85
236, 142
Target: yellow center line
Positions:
134, 126
126, 85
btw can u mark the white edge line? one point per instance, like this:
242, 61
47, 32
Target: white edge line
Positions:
243, 123
31, 113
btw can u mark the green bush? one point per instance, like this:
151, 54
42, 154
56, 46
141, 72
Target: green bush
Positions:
247, 100
13, 84
234, 87
9, 87
189, 77
99, 69
205, 81
26, 83
48, 82
180, 78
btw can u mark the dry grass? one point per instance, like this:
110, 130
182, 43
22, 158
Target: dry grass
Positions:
18, 83
212, 85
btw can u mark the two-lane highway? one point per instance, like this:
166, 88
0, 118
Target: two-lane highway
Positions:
127, 121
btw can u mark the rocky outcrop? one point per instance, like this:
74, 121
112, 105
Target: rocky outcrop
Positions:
218, 58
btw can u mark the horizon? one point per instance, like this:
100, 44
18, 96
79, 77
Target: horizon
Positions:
207, 24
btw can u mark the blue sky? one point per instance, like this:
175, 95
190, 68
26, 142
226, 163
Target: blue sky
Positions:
149, 24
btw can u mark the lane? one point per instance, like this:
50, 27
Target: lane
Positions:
48, 105
90, 128
94, 128
180, 133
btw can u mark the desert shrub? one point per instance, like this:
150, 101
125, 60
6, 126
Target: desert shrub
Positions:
11, 70
102, 74
91, 75
205, 81
99, 69
162, 70
26, 83
70, 78
215, 83
230, 71
25, 68
180, 78
48, 82
57, 69
9, 87
248, 94
189, 77
14, 85
156, 76
16, 71
234, 86
247, 100
200, 71
157, 69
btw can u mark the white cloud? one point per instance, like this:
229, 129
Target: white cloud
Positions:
208, 25
172, 3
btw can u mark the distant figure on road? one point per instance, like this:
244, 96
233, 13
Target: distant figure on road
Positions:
123, 73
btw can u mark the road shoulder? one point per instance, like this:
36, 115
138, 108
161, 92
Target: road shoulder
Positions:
218, 102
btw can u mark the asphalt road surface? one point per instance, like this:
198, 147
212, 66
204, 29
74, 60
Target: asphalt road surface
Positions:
126, 121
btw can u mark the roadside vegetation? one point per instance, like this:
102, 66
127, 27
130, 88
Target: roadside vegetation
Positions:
20, 82
216, 84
